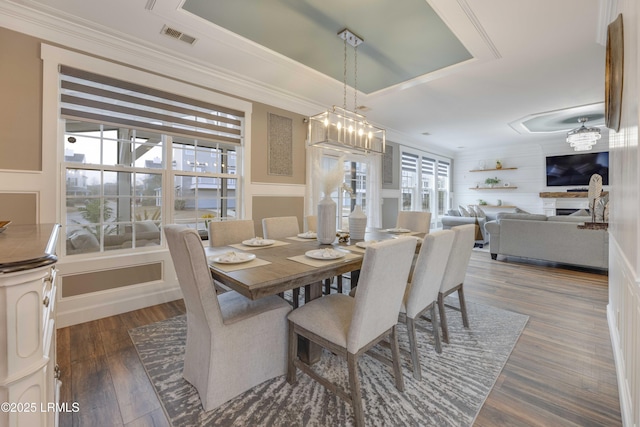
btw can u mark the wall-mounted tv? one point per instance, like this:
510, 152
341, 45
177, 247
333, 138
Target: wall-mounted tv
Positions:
576, 169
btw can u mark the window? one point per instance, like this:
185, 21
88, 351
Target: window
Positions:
425, 184
131, 151
353, 190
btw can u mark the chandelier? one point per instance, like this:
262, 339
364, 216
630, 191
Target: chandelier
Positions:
343, 130
583, 138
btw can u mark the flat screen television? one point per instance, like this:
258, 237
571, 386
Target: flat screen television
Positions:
576, 169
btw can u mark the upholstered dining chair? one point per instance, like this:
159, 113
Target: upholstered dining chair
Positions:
311, 223
233, 343
348, 327
414, 221
280, 227
454, 274
422, 292
223, 233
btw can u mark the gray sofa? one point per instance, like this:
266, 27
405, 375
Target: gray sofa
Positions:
555, 238
453, 219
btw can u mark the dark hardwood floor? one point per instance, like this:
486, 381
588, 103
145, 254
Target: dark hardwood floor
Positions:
561, 372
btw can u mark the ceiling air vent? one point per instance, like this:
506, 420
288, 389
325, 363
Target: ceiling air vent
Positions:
179, 35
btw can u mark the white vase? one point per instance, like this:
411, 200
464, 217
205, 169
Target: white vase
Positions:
326, 232
357, 223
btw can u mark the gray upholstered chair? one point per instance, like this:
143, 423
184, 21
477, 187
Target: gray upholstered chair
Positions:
223, 233
454, 274
422, 293
280, 227
311, 223
233, 343
349, 326
414, 221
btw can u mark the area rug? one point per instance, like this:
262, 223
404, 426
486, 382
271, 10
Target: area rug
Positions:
455, 383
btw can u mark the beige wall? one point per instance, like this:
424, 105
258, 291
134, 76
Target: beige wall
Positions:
19, 208
259, 146
266, 207
20, 109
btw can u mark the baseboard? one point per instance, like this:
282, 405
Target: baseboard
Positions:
626, 406
85, 308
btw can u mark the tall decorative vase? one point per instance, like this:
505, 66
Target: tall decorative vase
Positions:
326, 232
357, 223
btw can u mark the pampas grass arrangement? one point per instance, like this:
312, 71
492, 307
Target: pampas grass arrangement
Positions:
329, 180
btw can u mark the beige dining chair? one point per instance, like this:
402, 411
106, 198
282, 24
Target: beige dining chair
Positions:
414, 221
348, 327
422, 292
311, 223
280, 227
233, 343
454, 274
223, 233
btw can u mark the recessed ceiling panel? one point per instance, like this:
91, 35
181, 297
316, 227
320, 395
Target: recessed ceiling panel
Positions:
403, 39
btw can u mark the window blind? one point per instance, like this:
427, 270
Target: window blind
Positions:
102, 99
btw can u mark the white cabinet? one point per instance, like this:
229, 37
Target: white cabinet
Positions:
28, 373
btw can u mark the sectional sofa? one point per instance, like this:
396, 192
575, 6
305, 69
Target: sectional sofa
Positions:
555, 238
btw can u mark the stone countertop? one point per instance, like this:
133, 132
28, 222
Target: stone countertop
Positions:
23, 247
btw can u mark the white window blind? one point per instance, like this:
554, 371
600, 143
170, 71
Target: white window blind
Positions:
102, 99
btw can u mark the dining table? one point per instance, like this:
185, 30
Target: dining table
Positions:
257, 268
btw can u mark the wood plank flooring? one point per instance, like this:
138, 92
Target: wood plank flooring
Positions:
561, 372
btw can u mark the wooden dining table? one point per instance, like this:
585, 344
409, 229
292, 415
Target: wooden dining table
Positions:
283, 266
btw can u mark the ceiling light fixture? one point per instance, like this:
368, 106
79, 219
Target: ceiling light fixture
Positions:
341, 129
583, 138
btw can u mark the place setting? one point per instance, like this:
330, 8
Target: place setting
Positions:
323, 256
303, 237
233, 260
257, 243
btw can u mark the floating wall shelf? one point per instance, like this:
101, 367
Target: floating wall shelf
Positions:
493, 188
489, 170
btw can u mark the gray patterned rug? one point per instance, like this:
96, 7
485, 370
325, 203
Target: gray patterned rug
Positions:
455, 383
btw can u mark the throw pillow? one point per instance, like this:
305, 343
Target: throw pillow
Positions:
479, 212
146, 227
84, 241
518, 210
463, 211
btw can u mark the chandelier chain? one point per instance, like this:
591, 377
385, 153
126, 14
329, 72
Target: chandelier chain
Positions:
344, 76
355, 78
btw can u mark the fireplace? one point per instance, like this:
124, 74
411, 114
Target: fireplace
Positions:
565, 211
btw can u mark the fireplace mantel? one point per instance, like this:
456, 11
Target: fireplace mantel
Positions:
567, 195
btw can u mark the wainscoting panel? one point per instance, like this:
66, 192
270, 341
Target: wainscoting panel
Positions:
96, 281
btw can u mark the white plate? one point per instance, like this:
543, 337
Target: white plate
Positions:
326, 254
398, 230
364, 245
308, 235
233, 258
258, 242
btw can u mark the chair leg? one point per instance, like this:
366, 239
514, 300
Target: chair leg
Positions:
339, 284
354, 386
436, 329
397, 366
413, 346
296, 297
292, 377
443, 318
463, 307
327, 286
